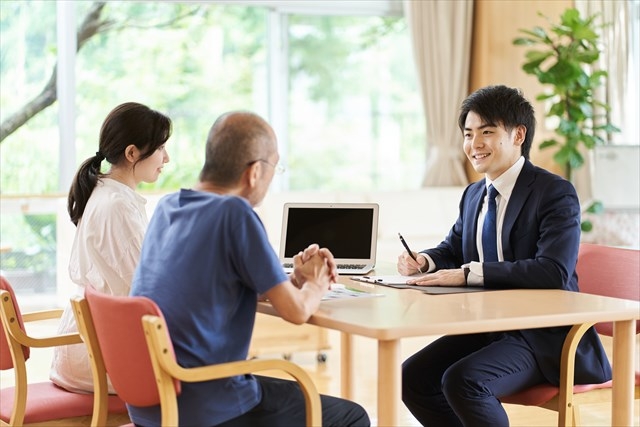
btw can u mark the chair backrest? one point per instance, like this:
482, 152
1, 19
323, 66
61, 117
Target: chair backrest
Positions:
609, 271
117, 321
6, 361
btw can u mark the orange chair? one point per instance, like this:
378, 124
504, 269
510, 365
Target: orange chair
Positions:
128, 336
602, 270
41, 402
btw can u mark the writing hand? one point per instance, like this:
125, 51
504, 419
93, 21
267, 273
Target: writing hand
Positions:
408, 266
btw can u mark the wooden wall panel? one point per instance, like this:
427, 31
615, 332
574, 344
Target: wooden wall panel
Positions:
495, 60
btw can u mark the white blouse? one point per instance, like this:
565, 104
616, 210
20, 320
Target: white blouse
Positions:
105, 253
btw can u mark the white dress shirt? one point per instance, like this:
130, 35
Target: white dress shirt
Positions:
504, 184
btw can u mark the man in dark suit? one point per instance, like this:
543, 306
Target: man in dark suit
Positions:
524, 235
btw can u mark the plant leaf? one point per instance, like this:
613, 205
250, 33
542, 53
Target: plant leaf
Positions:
548, 143
586, 226
589, 141
596, 207
588, 56
537, 33
537, 55
523, 41
575, 159
545, 96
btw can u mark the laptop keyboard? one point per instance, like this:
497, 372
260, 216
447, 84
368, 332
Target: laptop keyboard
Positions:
351, 266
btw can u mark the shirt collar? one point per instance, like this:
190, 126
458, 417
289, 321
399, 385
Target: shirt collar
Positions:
505, 182
123, 189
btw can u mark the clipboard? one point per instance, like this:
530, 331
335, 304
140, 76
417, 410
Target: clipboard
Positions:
400, 282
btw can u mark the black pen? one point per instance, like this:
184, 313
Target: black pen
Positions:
404, 243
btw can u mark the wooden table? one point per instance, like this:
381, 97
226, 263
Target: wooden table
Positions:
407, 313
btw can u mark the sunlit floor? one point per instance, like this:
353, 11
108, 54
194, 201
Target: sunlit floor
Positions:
327, 378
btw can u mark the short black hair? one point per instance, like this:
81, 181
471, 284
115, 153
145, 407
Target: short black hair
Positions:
501, 105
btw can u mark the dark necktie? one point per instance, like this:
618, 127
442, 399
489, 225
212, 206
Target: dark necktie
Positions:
489, 234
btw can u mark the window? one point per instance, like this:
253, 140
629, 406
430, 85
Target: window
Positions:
355, 118
28, 157
339, 89
337, 85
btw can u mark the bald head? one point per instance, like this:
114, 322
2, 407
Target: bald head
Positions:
235, 140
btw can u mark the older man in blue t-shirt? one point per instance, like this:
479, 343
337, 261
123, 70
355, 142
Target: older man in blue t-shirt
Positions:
206, 259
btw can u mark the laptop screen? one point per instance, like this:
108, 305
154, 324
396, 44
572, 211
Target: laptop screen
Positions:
348, 230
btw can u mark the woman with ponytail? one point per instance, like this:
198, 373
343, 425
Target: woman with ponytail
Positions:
110, 219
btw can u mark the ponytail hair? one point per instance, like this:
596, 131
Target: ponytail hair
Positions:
82, 186
128, 123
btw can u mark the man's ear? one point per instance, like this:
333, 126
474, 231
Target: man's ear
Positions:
520, 134
252, 174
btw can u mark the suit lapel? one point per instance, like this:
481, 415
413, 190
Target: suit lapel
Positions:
474, 203
521, 191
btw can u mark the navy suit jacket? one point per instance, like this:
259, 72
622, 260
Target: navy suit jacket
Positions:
540, 240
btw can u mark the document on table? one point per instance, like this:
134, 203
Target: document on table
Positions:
400, 282
340, 291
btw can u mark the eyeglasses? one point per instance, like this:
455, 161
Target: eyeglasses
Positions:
278, 168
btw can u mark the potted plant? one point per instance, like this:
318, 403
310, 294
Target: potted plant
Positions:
562, 60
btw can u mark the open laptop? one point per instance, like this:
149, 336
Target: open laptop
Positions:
348, 230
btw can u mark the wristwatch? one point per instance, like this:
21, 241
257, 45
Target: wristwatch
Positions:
466, 270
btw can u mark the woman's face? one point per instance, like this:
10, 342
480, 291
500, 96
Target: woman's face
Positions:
149, 169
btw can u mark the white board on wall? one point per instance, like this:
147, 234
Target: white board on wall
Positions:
616, 176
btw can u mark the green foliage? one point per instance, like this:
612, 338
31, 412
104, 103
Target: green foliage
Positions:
350, 79
561, 59
586, 226
44, 227
32, 239
596, 207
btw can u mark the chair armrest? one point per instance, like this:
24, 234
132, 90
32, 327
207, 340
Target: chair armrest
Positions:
13, 328
161, 352
35, 316
567, 370
49, 341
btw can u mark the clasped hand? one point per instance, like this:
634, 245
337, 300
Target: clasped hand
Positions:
314, 264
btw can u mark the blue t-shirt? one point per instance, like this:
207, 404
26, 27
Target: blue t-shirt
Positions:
204, 259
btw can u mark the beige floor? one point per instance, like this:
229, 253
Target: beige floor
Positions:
326, 377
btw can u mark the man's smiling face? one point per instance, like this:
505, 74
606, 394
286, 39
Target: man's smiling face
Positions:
490, 148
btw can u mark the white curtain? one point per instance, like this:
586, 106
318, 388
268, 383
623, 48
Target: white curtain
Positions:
441, 38
621, 89
616, 58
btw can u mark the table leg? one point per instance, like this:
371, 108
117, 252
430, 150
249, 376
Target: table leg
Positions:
346, 366
388, 382
623, 373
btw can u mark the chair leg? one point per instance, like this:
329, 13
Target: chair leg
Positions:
575, 411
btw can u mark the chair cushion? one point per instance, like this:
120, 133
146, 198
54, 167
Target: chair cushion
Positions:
542, 393
582, 388
46, 401
533, 396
